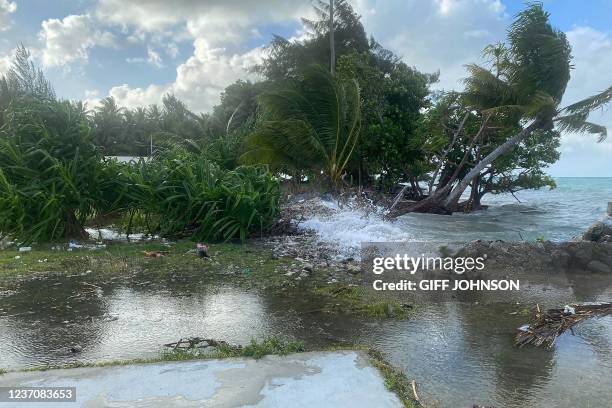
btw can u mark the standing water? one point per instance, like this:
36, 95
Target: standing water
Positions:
460, 352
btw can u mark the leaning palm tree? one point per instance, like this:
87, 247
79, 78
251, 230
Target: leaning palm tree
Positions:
530, 77
311, 124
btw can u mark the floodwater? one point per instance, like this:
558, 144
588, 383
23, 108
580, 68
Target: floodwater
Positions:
460, 351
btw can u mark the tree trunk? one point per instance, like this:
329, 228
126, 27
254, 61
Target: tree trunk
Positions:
445, 153
452, 199
332, 44
73, 228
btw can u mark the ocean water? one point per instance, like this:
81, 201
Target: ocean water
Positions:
556, 215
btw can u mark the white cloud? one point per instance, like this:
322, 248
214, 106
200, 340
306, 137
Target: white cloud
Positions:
6, 61
223, 15
92, 98
199, 80
580, 155
172, 50
154, 58
133, 97
70, 39
436, 35
432, 35
216, 27
6, 9
592, 51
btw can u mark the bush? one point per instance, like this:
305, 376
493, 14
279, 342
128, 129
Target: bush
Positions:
50, 172
186, 194
53, 180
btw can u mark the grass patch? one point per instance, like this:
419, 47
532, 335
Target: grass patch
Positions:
271, 345
246, 262
362, 301
3, 371
395, 380
255, 349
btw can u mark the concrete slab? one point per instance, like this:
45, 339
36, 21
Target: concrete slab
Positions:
317, 379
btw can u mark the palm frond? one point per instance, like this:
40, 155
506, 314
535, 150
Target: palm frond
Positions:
311, 124
591, 103
577, 123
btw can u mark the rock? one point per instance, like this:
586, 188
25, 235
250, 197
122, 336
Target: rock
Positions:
76, 349
290, 273
597, 232
308, 267
598, 267
560, 259
583, 254
304, 275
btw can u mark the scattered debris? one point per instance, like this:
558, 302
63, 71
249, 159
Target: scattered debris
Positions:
198, 342
74, 245
550, 325
414, 391
202, 250
25, 249
153, 254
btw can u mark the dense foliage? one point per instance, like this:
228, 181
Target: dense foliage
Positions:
374, 123
50, 171
54, 178
503, 124
308, 125
181, 193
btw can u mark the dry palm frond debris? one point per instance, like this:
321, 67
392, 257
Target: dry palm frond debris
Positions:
197, 342
548, 326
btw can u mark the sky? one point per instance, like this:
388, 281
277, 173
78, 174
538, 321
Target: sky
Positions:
139, 50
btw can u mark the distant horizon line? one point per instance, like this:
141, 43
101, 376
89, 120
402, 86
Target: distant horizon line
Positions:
581, 176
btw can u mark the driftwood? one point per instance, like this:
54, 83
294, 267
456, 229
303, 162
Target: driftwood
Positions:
197, 342
554, 322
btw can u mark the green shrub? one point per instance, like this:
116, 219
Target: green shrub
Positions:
50, 172
181, 193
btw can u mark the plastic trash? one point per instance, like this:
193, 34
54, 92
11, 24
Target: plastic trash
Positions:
74, 245
569, 310
25, 249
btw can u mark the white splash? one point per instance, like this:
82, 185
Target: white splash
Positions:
347, 226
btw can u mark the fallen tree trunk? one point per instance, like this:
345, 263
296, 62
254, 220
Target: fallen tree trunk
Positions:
445, 200
502, 149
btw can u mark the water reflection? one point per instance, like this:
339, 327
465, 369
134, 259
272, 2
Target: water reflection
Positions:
460, 350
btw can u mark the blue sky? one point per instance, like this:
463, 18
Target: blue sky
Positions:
139, 50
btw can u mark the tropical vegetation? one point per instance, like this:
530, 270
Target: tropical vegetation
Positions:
369, 121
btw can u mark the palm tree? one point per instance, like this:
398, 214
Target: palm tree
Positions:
530, 78
109, 125
311, 124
